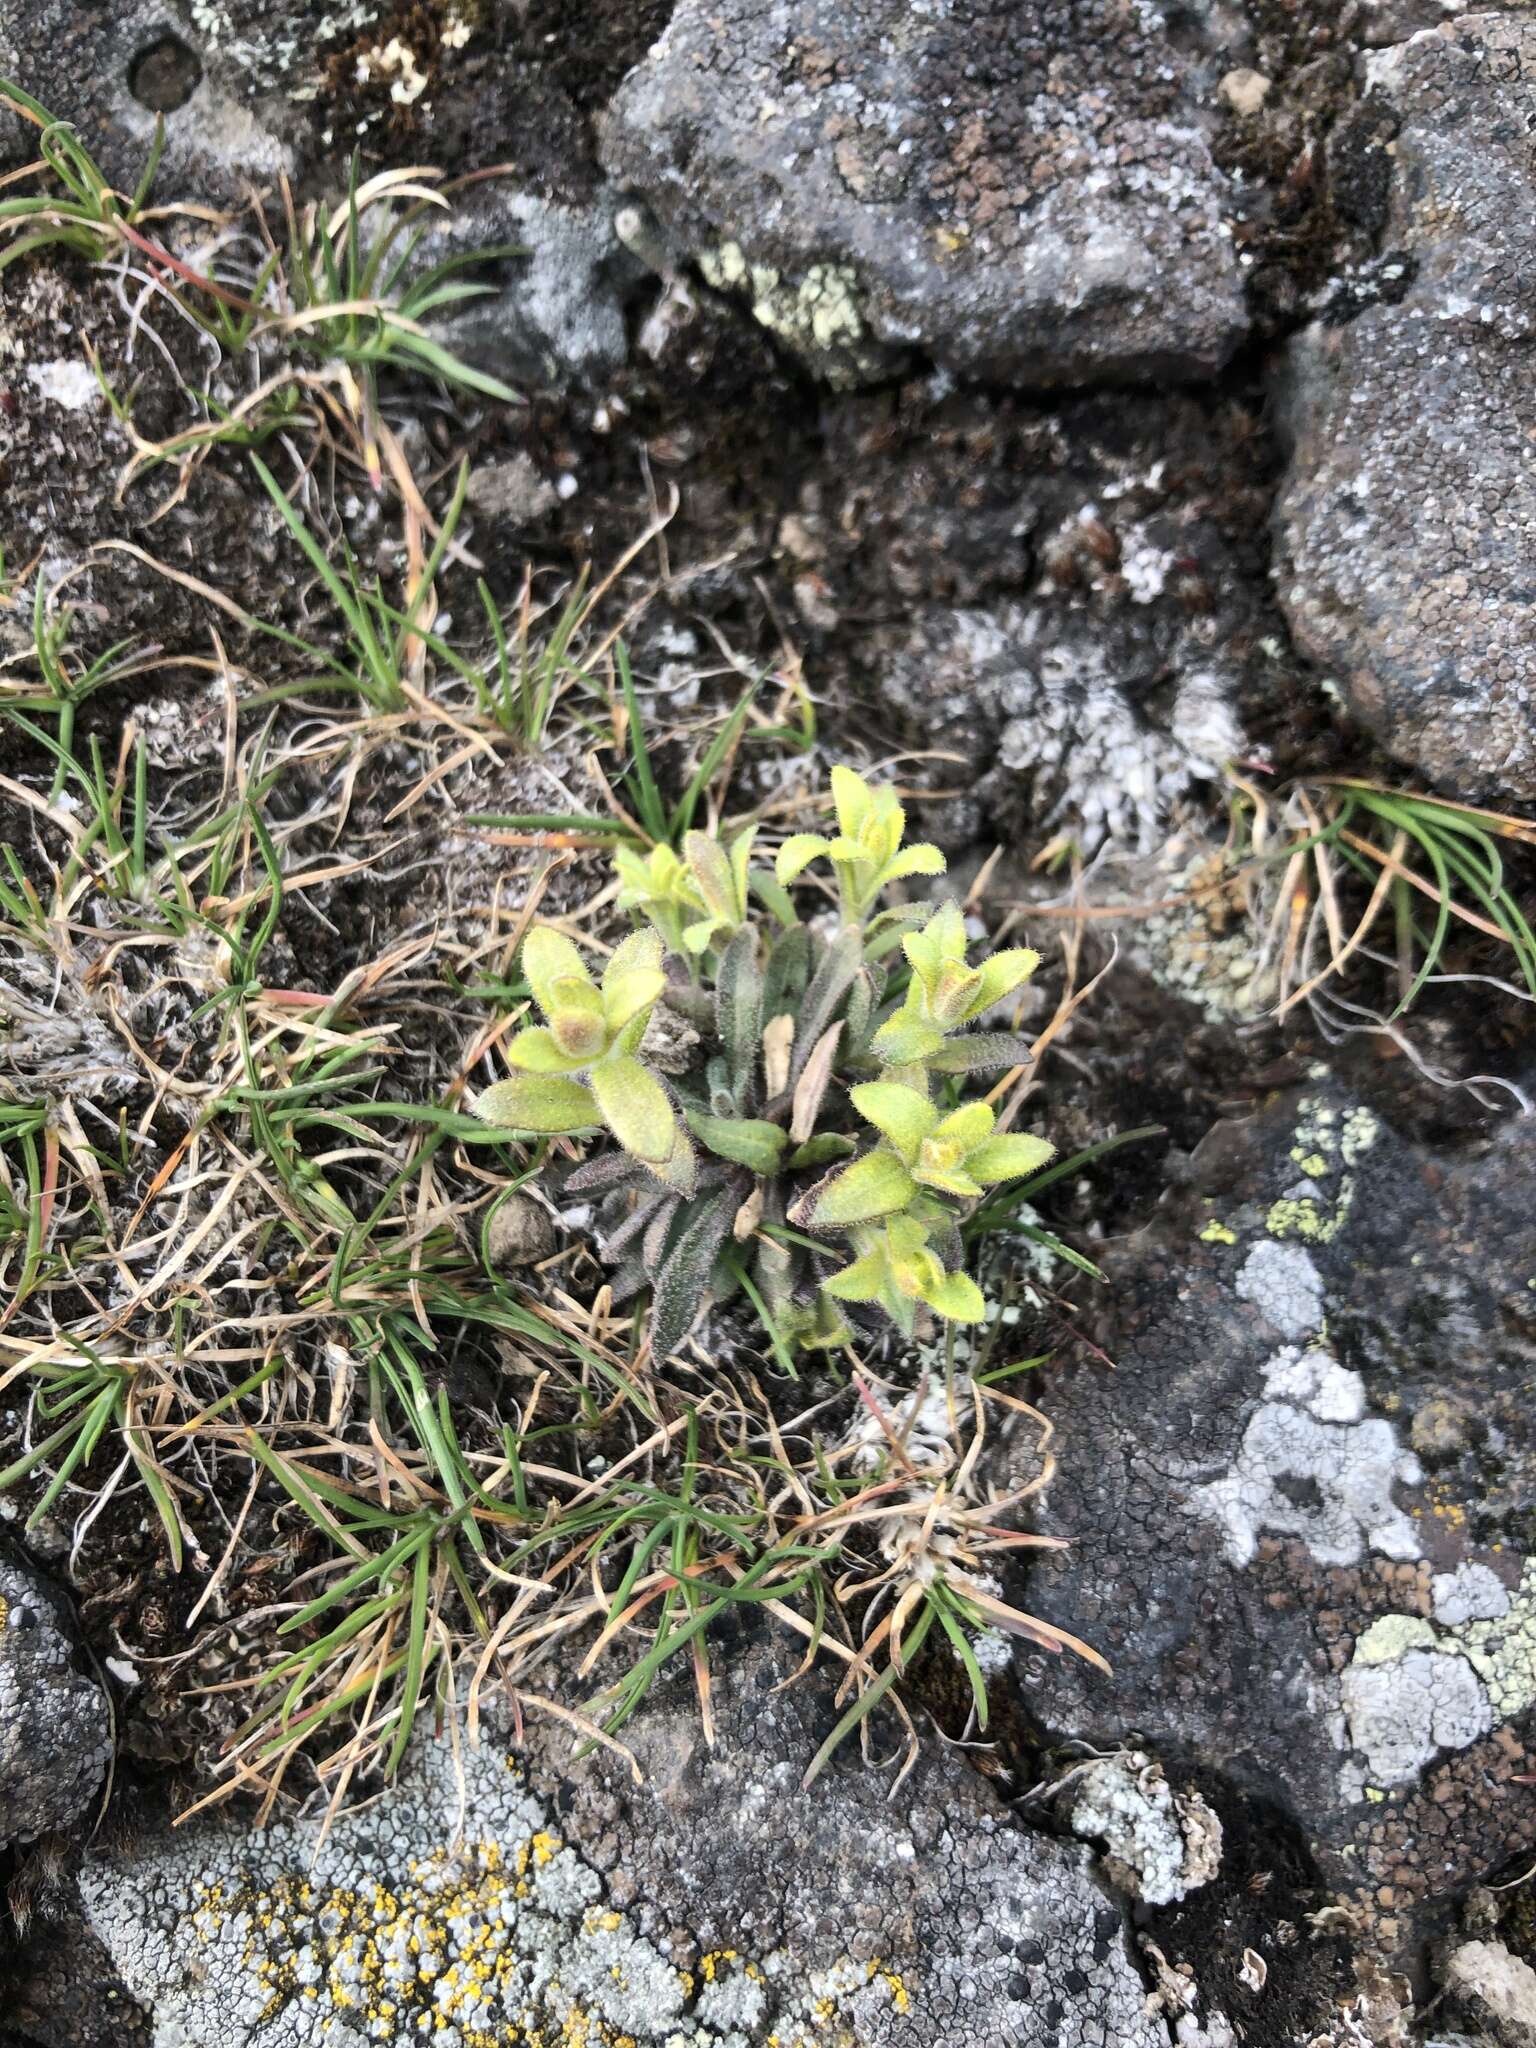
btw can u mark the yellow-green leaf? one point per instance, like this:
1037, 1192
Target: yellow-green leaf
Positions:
547, 955
897, 1113
876, 1185
538, 1052
1008, 1157
545, 1103
636, 1108
797, 853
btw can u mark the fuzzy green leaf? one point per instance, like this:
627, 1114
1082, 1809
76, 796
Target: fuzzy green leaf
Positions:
537, 1051
897, 1113
636, 1108
1007, 1157
797, 853
876, 1185
545, 1103
958, 1299
739, 1011
820, 1151
547, 956
684, 1275
905, 1040
921, 859
1001, 974
629, 995
744, 1140
980, 1051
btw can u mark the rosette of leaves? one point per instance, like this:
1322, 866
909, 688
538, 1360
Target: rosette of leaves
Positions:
578, 1071
818, 1154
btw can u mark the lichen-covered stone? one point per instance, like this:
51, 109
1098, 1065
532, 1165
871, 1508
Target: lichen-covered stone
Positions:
55, 1728
1020, 190
1288, 1588
1161, 1842
717, 1906
1409, 515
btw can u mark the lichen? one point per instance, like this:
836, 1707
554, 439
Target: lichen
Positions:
1415, 1687
819, 313
397, 1928
1313, 1465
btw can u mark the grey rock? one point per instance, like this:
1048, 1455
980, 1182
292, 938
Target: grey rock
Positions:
718, 1906
560, 315
1408, 516
1288, 1593
1496, 1988
1021, 189
110, 70
55, 1727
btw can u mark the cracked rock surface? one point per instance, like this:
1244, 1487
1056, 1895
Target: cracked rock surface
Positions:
1300, 1505
717, 1907
55, 1732
1408, 518
1022, 188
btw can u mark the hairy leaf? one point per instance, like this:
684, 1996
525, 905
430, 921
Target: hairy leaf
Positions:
636, 1108
900, 1114
979, 1051
876, 1185
828, 986
739, 1011
1007, 1157
787, 973
683, 1279
744, 1140
546, 1103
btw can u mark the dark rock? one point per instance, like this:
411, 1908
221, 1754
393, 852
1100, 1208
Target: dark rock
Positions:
55, 1728
1409, 515
1022, 191
1284, 1589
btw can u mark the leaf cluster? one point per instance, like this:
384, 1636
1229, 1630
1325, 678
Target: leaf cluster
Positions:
814, 1152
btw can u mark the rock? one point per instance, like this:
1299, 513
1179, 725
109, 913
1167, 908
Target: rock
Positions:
1042, 707
520, 1233
1021, 190
111, 71
718, 1906
1408, 515
1159, 1844
61, 1990
1498, 1990
1289, 1594
1244, 90
559, 315
55, 1727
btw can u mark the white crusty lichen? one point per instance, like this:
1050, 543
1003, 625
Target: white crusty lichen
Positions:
1159, 1844
446, 1915
1417, 1687
1284, 1286
1312, 1464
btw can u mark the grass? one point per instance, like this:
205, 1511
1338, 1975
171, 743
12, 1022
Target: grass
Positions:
1341, 863
252, 1326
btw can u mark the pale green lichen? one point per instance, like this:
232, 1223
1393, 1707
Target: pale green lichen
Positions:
1325, 1142
818, 314
1305, 1217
